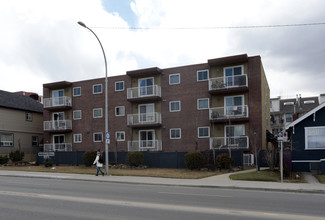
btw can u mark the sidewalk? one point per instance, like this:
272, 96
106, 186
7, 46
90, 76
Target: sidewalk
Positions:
219, 181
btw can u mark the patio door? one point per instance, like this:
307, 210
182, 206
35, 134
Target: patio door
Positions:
146, 86
234, 105
57, 97
233, 132
146, 112
147, 138
231, 73
58, 120
58, 142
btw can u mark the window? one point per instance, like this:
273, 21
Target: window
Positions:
97, 89
203, 132
76, 114
77, 91
119, 86
97, 113
234, 105
29, 116
6, 140
174, 79
77, 138
146, 112
58, 97
202, 75
34, 141
203, 103
120, 136
314, 138
98, 137
146, 86
175, 133
289, 117
175, 106
119, 111
232, 75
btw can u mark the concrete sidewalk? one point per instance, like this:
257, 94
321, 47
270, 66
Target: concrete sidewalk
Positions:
219, 181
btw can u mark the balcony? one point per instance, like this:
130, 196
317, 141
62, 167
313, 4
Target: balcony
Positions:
149, 145
145, 93
57, 147
233, 113
63, 102
230, 84
144, 120
239, 142
58, 126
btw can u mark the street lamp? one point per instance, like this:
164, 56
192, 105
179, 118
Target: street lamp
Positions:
106, 105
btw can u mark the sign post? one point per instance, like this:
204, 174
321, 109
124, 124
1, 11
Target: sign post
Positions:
282, 137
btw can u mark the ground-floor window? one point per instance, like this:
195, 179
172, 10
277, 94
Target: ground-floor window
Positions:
6, 140
314, 138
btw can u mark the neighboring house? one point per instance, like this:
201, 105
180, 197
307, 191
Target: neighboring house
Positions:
215, 105
307, 136
33, 95
21, 119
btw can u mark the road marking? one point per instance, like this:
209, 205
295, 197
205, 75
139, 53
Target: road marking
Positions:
194, 194
161, 206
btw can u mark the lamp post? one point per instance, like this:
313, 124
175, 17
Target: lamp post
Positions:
106, 105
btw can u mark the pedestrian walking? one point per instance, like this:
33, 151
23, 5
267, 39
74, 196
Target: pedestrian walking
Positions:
99, 163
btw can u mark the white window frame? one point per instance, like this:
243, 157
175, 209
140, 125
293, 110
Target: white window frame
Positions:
200, 71
101, 112
118, 82
202, 99
101, 88
121, 108
175, 83
7, 143
75, 111
77, 138
170, 106
316, 132
175, 129
98, 133
120, 135
73, 91
198, 132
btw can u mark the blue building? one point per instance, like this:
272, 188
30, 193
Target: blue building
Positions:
307, 136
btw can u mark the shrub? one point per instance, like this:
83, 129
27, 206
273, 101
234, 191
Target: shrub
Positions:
88, 157
223, 161
134, 159
194, 160
48, 162
4, 159
16, 156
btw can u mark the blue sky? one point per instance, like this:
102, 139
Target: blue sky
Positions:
123, 8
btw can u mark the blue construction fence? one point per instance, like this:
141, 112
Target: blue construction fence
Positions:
151, 159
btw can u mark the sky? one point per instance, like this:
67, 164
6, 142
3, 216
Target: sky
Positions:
41, 42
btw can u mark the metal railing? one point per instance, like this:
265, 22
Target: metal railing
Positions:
57, 147
228, 112
144, 119
151, 145
58, 125
145, 91
57, 101
228, 82
236, 142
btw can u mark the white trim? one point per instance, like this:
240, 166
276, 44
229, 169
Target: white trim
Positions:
198, 132
170, 105
179, 78
308, 134
101, 112
175, 138
94, 137
78, 87
80, 115
75, 135
197, 75
101, 89
119, 89
232, 67
198, 106
120, 107
121, 132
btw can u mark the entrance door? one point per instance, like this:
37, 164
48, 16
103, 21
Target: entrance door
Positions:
147, 138
146, 86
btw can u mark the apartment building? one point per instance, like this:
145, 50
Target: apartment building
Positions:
223, 103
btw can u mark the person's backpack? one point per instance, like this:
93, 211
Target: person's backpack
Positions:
101, 159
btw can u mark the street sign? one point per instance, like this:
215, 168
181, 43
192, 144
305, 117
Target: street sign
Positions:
108, 141
108, 137
283, 136
46, 154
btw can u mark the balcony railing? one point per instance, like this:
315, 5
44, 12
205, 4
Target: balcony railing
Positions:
63, 101
144, 119
57, 147
228, 112
151, 145
58, 125
228, 82
145, 91
237, 142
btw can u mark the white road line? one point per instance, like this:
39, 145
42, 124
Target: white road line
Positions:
194, 194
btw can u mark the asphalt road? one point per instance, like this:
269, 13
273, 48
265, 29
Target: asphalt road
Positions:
33, 198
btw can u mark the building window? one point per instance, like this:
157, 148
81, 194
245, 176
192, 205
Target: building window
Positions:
119, 86
175, 133
34, 141
77, 115
6, 140
97, 113
203, 132
119, 111
146, 86
97, 89
29, 116
77, 91
98, 137
202, 75
175, 106
289, 117
203, 103
314, 138
174, 79
120, 136
77, 138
